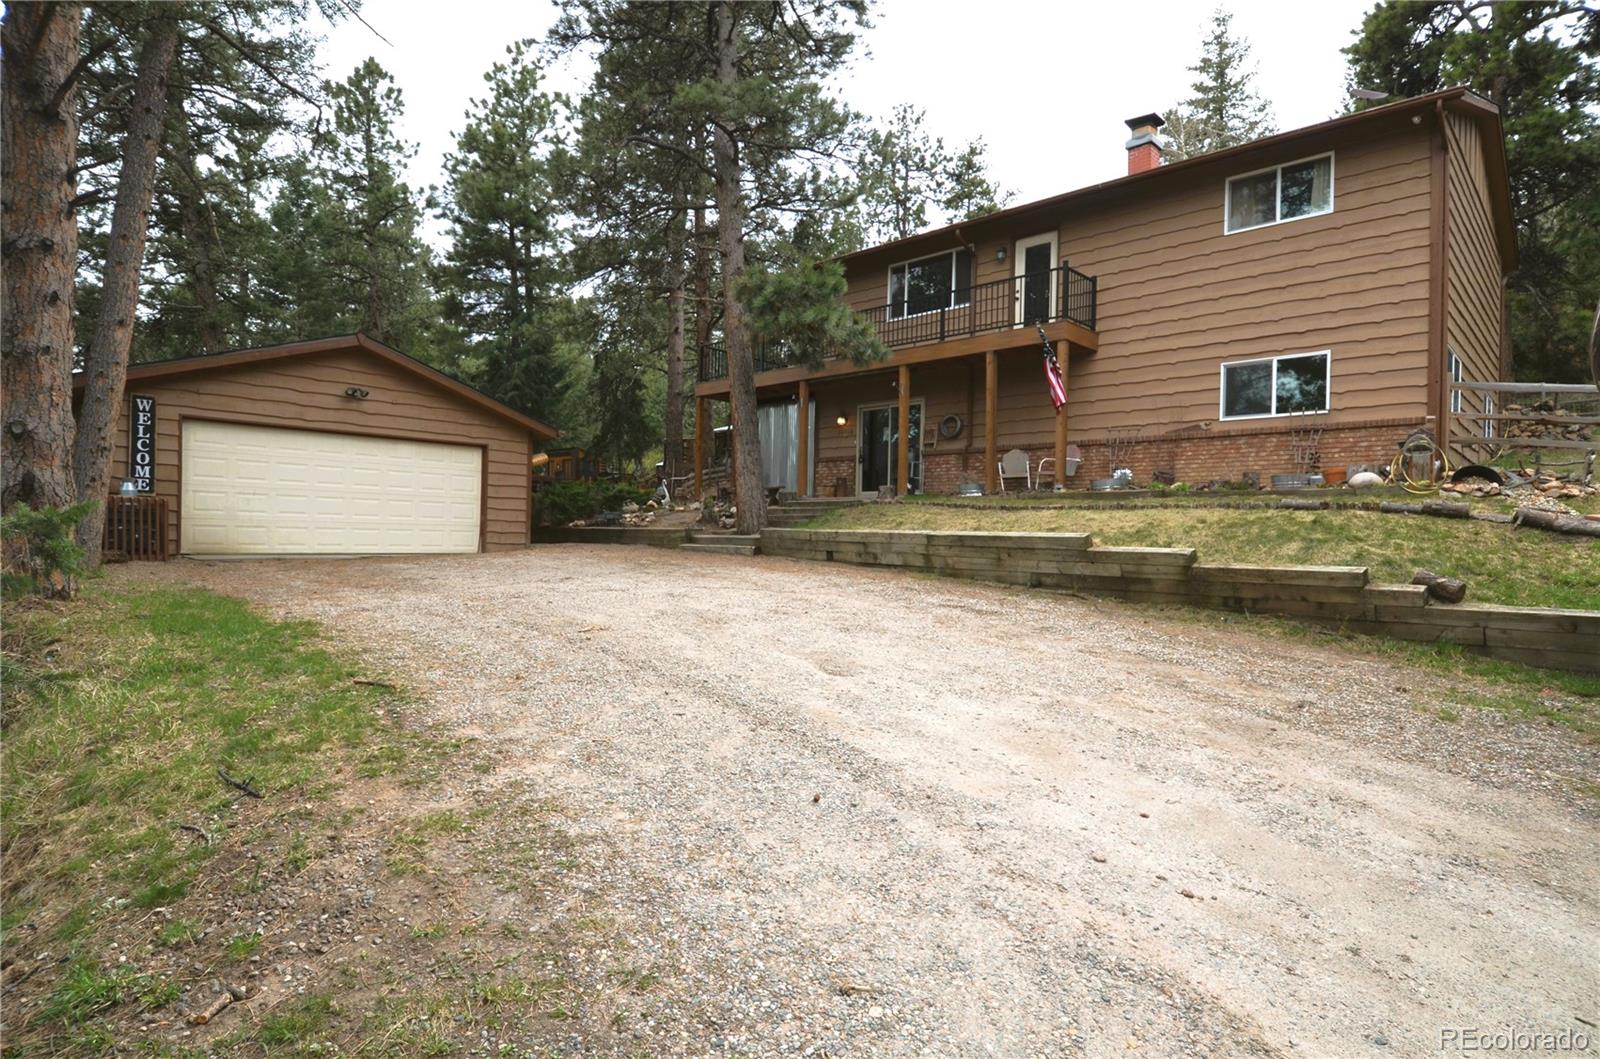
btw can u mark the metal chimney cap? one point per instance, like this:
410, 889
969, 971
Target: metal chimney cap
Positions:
1145, 121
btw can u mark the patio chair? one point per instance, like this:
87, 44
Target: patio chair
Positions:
1014, 464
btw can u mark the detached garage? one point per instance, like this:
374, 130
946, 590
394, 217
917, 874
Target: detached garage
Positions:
338, 446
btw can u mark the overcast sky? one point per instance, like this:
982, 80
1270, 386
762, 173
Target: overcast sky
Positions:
1046, 83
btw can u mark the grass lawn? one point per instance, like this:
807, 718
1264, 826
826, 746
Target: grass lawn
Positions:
1501, 565
119, 708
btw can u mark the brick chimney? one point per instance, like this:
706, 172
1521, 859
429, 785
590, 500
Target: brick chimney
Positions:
1144, 150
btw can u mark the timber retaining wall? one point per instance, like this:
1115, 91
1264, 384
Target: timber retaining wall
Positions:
1333, 595
659, 536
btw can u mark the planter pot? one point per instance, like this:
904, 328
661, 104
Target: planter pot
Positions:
1334, 475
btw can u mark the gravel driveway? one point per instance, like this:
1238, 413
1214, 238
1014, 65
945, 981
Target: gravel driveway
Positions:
868, 813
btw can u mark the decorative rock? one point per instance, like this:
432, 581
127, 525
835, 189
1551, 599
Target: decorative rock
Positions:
1365, 480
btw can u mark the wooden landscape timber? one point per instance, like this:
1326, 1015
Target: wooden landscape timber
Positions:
655, 536
1341, 596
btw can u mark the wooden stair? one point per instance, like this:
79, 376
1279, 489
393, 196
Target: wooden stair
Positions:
722, 543
796, 512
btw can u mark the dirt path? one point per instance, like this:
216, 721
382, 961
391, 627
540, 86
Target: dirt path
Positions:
860, 812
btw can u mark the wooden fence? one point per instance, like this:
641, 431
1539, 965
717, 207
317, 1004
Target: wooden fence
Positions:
1545, 425
136, 527
1331, 595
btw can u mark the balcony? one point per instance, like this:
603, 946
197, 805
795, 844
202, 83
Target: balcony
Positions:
981, 309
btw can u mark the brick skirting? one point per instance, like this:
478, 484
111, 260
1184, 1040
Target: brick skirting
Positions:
1193, 456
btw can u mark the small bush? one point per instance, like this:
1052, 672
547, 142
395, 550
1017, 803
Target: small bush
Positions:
42, 555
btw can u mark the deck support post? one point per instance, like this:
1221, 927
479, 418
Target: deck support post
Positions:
902, 465
1061, 429
802, 448
699, 448
991, 412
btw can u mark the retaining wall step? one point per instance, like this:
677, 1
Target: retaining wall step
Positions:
719, 549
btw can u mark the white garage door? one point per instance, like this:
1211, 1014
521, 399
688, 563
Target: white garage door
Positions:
251, 490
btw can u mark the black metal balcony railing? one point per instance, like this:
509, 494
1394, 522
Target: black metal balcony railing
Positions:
1041, 297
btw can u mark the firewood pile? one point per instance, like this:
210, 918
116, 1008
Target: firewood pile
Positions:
1550, 422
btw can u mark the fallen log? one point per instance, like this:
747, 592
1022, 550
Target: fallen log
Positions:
1303, 505
1556, 522
1444, 589
1395, 507
1446, 509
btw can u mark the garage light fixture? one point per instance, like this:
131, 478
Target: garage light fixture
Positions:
357, 392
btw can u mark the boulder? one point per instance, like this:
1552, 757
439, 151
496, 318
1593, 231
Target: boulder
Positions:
1365, 480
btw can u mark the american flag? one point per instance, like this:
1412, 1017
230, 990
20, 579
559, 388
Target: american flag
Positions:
1052, 373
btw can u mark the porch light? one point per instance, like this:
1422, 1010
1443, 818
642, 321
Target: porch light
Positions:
1000, 254
840, 420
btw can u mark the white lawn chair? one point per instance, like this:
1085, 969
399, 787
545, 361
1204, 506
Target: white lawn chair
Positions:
1014, 464
1047, 466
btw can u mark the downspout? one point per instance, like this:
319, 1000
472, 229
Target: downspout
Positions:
1438, 390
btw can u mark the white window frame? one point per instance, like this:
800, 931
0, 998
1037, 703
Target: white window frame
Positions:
1457, 372
1488, 411
1222, 386
888, 287
1227, 196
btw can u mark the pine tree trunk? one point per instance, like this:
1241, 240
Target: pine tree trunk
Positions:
39, 230
105, 366
747, 492
677, 263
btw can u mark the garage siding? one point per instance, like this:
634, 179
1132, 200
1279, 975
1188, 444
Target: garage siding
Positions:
307, 393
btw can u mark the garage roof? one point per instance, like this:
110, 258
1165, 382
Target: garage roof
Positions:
234, 358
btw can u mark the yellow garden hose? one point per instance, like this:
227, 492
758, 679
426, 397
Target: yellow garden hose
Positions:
1420, 444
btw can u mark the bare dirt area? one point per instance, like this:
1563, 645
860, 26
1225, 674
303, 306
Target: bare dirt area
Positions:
857, 812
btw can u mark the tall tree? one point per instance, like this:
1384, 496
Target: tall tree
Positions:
38, 158
906, 173
500, 203
375, 250
105, 363
1223, 108
639, 174
1537, 62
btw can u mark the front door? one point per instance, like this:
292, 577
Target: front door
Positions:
877, 447
1036, 288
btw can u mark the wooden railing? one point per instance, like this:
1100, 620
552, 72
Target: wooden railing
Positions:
1064, 294
136, 527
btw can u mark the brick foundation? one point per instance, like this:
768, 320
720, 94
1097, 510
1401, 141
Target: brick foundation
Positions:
1194, 456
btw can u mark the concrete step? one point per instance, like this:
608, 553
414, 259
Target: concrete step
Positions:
718, 549
715, 537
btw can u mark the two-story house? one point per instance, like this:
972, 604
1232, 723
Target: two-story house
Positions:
1207, 315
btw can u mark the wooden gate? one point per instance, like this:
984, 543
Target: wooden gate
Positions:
136, 527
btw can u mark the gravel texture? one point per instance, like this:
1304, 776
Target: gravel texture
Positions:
858, 812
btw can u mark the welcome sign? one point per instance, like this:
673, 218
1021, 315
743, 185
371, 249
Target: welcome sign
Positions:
142, 443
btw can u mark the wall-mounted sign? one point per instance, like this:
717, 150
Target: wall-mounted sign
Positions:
142, 443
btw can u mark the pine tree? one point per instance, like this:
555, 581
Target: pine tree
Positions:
1537, 62
500, 204
373, 251
1224, 109
905, 172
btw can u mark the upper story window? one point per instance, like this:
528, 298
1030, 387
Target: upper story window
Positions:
1276, 386
1282, 193
933, 283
